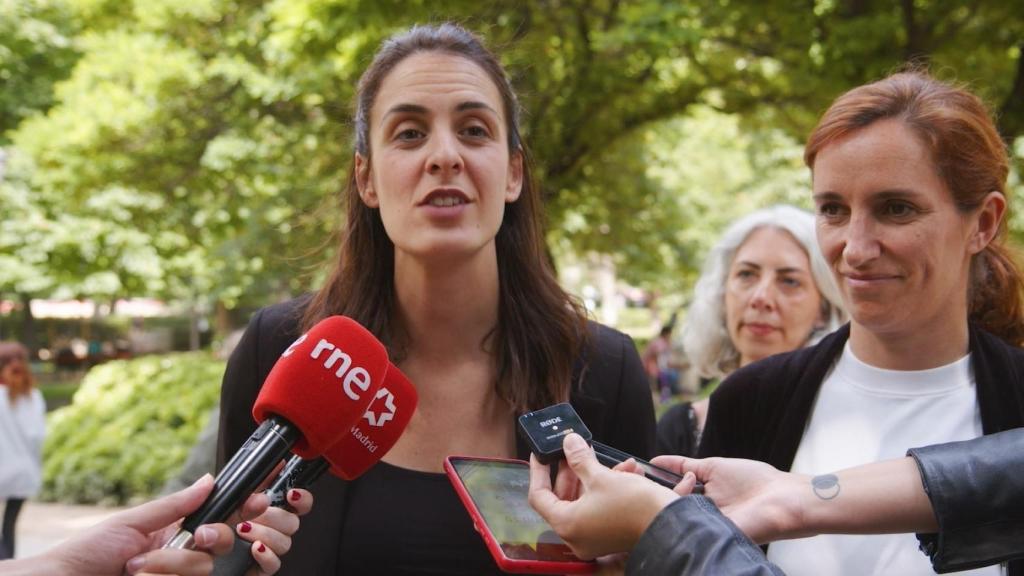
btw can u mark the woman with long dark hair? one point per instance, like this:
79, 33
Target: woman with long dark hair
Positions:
442, 258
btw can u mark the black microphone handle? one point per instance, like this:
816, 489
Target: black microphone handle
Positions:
240, 477
610, 457
297, 473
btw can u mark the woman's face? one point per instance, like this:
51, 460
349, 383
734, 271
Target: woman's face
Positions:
14, 372
887, 225
771, 301
440, 169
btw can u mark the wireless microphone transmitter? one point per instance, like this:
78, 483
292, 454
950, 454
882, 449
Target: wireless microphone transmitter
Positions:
545, 429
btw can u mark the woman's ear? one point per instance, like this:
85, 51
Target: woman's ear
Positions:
514, 186
989, 217
364, 181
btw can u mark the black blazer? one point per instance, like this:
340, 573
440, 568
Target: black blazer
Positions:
610, 393
760, 411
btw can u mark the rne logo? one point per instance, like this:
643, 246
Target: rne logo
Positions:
382, 417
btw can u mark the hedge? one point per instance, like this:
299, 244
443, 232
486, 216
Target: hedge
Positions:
129, 427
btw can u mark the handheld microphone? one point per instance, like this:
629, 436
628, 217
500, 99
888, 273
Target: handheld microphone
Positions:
318, 388
366, 442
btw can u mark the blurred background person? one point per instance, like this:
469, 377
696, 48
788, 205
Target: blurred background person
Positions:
909, 179
22, 429
764, 289
660, 366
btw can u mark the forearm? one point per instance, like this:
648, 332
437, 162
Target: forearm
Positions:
41, 565
881, 497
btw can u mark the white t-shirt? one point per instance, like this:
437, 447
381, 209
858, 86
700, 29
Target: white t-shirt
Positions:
22, 429
864, 414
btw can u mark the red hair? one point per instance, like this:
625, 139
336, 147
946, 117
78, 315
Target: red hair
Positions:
969, 156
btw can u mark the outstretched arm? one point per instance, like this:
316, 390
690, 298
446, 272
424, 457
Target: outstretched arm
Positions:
131, 541
882, 497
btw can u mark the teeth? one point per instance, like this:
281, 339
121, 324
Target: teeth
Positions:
445, 201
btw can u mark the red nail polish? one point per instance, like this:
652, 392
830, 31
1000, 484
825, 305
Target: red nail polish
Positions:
245, 527
262, 548
295, 496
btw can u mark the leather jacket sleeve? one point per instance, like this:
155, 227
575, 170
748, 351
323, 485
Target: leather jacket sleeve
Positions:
691, 536
976, 488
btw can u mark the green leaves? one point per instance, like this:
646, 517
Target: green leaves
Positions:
129, 428
194, 150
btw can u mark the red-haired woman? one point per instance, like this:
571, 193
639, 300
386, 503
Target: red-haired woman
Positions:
22, 428
909, 178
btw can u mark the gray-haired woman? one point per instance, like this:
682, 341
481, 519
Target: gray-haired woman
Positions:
764, 289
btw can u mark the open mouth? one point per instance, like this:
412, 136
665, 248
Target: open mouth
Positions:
445, 201
445, 198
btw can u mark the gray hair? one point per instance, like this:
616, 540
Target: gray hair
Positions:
705, 337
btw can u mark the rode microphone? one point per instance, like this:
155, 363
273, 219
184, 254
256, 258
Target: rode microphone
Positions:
366, 442
319, 387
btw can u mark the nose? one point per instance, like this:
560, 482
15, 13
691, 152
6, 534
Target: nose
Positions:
861, 244
763, 297
445, 158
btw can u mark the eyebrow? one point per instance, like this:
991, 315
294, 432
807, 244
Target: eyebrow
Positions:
783, 270
422, 110
883, 195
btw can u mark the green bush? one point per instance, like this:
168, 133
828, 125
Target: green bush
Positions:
130, 426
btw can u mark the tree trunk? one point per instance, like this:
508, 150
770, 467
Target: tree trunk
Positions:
28, 324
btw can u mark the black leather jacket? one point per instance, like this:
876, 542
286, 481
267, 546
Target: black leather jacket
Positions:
976, 488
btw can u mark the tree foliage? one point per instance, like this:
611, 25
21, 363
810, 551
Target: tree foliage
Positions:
196, 149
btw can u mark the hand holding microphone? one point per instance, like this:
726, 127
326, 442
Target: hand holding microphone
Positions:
321, 385
366, 442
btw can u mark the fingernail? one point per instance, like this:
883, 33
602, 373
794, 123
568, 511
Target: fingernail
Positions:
244, 527
201, 480
294, 496
135, 564
262, 548
205, 536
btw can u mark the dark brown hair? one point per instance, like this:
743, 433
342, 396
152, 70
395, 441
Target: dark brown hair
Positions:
970, 157
541, 329
11, 352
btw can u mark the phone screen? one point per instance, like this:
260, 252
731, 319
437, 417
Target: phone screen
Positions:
499, 491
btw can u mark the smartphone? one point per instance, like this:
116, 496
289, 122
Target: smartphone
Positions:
494, 491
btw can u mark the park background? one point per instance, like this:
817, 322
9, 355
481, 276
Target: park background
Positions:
169, 166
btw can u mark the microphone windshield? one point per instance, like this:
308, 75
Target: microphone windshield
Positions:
324, 382
373, 435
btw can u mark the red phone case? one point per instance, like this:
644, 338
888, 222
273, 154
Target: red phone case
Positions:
506, 563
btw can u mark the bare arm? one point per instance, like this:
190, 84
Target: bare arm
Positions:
767, 504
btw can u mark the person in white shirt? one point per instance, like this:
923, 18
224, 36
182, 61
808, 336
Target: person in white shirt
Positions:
909, 182
22, 429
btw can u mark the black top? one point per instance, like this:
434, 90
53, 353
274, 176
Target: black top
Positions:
388, 500
610, 393
760, 411
677, 431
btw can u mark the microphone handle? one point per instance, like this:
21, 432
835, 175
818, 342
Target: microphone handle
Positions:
240, 477
297, 473
611, 456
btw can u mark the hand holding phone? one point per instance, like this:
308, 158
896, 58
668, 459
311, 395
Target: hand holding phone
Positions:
495, 492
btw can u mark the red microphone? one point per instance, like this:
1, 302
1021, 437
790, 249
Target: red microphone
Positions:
373, 435
366, 442
319, 387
